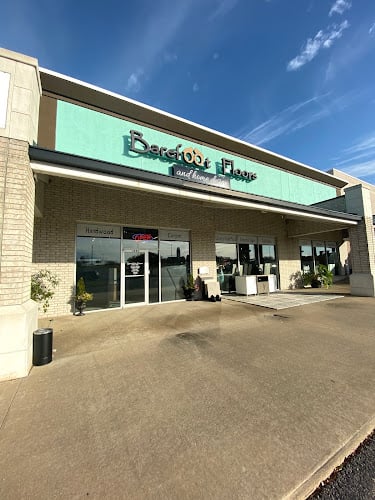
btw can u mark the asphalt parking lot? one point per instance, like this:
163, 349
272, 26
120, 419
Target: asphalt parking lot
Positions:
192, 400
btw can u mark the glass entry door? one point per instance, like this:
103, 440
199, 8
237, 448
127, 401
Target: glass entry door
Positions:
135, 276
141, 276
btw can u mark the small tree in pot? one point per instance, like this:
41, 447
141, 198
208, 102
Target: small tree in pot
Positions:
43, 284
189, 287
82, 297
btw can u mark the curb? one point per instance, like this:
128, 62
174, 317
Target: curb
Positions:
325, 469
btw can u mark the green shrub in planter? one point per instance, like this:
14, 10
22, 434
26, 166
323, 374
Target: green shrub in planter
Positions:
308, 278
325, 275
189, 287
82, 296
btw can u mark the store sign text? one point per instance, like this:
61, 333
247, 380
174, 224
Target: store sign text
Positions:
142, 237
191, 174
228, 168
191, 156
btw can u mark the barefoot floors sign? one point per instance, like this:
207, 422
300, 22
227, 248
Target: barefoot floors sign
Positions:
193, 159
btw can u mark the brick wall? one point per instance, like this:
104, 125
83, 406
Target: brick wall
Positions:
362, 241
362, 247
68, 202
16, 221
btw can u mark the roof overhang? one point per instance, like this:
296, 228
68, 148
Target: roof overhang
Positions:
87, 170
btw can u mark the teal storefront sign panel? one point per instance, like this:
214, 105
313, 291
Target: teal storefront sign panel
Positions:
91, 134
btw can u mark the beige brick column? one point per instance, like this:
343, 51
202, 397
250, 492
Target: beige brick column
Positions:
19, 109
362, 242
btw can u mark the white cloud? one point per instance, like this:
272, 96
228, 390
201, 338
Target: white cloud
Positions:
147, 43
371, 31
195, 87
322, 40
359, 159
366, 144
223, 7
364, 170
362, 149
347, 55
216, 56
339, 7
286, 121
134, 81
296, 117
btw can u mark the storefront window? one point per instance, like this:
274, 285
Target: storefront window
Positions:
307, 261
98, 263
320, 256
175, 267
154, 265
251, 255
267, 259
332, 257
318, 252
249, 263
141, 250
226, 264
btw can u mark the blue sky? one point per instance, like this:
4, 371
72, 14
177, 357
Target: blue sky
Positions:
293, 76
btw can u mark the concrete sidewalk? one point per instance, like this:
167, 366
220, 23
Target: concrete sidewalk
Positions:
192, 400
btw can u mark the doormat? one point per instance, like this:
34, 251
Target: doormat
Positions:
281, 300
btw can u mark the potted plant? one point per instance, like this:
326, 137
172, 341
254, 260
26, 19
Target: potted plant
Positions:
189, 287
325, 275
316, 282
315, 279
43, 284
82, 297
311, 279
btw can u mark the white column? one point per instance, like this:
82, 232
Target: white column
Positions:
20, 92
362, 242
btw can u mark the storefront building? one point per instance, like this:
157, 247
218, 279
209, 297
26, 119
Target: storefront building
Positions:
133, 200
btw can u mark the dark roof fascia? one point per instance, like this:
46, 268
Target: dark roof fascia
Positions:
98, 166
77, 91
329, 199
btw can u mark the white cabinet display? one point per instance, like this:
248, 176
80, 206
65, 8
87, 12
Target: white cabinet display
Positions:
272, 281
247, 285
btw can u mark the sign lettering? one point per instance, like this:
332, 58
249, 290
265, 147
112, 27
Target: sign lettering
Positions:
190, 174
191, 156
143, 237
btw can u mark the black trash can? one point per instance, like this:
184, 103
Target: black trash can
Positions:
42, 346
